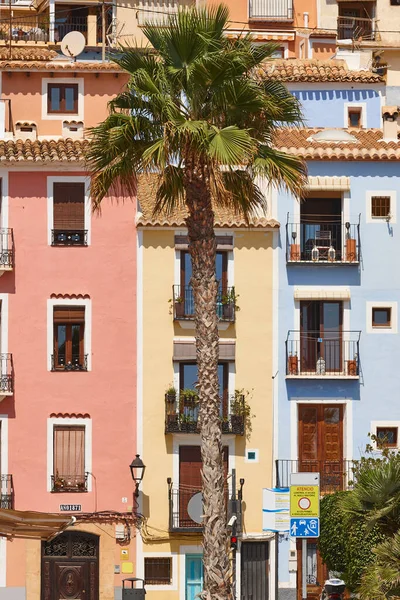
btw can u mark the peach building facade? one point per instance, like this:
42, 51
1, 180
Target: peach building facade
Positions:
68, 325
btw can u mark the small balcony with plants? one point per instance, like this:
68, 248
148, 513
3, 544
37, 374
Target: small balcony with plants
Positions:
183, 304
316, 241
76, 483
182, 412
323, 355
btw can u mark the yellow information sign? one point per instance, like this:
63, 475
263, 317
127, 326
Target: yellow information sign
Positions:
304, 501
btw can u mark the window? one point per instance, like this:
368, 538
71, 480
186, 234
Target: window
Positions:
158, 571
380, 206
62, 98
188, 377
381, 317
387, 436
69, 459
69, 214
69, 329
354, 117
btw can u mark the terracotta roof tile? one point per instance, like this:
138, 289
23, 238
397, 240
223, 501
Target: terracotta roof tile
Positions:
293, 70
63, 150
58, 65
369, 145
223, 216
35, 53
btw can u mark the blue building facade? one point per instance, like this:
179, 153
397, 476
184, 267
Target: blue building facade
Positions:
338, 291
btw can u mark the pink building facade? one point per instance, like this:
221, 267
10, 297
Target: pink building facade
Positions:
67, 339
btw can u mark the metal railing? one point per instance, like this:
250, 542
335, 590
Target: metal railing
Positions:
317, 354
271, 10
179, 498
69, 483
183, 303
6, 249
355, 28
25, 29
6, 374
6, 492
182, 416
335, 475
324, 242
69, 237
62, 26
158, 11
76, 364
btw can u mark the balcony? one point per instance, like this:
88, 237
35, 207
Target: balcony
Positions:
33, 28
356, 28
69, 483
271, 10
69, 237
335, 475
182, 413
183, 304
6, 492
322, 243
6, 250
184, 500
318, 355
63, 366
6, 376
157, 11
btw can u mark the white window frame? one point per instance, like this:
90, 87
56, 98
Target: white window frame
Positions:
71, 422
361, 105
173, 586
256, 456
393, 317
60, 116
50, 202
87, 341
376, 424
393, 211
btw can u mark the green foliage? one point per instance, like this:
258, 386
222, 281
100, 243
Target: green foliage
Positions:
240, 406
382, 579
332, 540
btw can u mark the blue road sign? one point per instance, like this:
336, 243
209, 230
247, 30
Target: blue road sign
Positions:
306, 527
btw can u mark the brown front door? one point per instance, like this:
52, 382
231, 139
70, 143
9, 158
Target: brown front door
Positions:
321, 444
70, 567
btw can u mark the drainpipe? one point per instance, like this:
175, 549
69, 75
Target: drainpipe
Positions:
305, 19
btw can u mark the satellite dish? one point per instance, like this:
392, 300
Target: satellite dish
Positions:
73, 44
195, 508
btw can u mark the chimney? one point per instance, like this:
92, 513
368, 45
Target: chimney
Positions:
390, 128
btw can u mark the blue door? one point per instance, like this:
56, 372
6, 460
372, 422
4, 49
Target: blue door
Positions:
194, 575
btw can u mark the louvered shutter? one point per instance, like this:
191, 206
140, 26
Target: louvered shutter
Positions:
69, 206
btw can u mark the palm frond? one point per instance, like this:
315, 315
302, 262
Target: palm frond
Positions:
281, 169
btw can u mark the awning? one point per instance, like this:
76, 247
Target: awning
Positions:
315, 183
29, 524
264, 36
186, 350
328, 293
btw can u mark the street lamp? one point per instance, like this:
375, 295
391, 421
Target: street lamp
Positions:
137, 471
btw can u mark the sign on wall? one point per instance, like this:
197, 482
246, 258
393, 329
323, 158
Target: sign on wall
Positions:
70, 507
276, 510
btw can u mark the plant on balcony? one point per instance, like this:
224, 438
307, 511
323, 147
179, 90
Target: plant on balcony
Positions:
190, 114
177, 307
189, 398
170, 394
241, 411
229, 304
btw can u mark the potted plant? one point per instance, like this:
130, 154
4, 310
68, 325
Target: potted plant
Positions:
189, 398
293, 364
170, 394
179, 306
352, 367
229, 304
241, 413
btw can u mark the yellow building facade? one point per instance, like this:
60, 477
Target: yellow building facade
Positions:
169, 544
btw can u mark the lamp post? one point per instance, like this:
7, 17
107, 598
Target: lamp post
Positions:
137, 468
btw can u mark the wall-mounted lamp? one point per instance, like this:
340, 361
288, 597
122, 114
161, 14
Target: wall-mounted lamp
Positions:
137, 468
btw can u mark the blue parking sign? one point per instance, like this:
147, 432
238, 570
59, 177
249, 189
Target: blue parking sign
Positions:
304, 527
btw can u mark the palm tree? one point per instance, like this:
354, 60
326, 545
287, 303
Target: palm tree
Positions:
382, 579
193, 113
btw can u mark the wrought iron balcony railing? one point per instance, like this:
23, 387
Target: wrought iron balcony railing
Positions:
182, 414
271, 10
335, 475
6, 250
33, 28
69, 237
69, 483
185, 499
6, 492
183, 301
356, 28
6, 375
64, 25
322, 242
317, 354
62, 365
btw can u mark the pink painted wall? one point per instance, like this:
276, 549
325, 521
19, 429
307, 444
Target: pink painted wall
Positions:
26, 92
106, 272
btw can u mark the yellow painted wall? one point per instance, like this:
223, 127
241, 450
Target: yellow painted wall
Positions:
253, 334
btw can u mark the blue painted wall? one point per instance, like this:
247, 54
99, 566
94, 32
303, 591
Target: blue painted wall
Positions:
325, 108
375, 396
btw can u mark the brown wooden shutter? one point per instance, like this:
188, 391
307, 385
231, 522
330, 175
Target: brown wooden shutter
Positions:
190, 466
69, 206
68, 314
69, 452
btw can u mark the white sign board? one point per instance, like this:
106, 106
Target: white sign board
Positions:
276, 510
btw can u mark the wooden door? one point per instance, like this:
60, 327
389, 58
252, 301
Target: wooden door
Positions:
193, 576
70, 567
254, 570
316, 572
320, 434
190, 481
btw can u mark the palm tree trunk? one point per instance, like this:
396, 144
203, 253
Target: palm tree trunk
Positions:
202, 247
